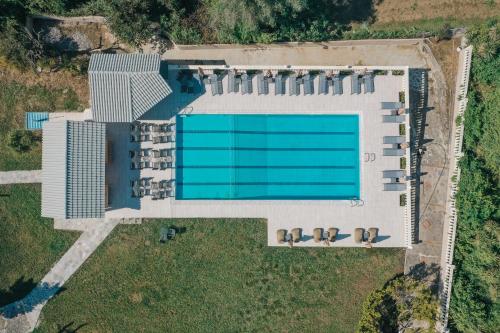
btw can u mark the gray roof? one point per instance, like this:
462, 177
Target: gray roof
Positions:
73, 169
125, 86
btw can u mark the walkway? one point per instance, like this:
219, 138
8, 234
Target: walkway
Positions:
20, 177
430, 132
22, 316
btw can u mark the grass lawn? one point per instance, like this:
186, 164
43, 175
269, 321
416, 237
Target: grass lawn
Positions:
217, 276
29, 245
17, 98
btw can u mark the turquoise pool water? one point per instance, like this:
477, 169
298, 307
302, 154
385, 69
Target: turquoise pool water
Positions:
267, 157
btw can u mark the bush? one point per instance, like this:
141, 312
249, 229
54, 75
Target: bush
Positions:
402, 163
19, 47
22, 140
402, 129
402, 199
402, 301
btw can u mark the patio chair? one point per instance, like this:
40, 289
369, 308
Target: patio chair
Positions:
296, 235
281, 234
359, 235
372, 235
317, 234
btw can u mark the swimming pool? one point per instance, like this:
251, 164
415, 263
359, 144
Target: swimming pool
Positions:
267, 157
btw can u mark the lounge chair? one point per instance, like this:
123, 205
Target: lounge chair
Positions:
322, 84
359, 235
393, 173
296, 235
393, 119
394, 139
317, 234
246, 84
369, 84
308, 84
355, 84
293, 85
262, 84
280, 234
395, 187
391, 105
279, 84
394, 152
332, 234
338, 88
372, 235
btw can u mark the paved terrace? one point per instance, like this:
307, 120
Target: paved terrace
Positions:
381, 209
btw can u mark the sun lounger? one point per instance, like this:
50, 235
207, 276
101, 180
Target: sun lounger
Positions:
322, 84
262, 84
246, 84
394, 152
232, 82
395, 187
293, 85
216, 84
394, 139
308, 84
391, 105
394, 174
393, 119
369, 84
279, 85
338, 89
355, 84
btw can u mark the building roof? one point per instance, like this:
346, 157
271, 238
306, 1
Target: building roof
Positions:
73, 169
125, 86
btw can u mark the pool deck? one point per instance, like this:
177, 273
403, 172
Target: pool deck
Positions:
381, 209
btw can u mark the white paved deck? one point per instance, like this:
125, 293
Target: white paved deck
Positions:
381, 209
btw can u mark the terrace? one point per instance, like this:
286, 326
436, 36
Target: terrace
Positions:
379, 204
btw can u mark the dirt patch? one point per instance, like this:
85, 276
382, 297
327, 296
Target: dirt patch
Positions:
392, 11
74, 35
446, 54
51, 80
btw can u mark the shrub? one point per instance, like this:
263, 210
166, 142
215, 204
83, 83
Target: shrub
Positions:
402, 129
402, 97
402, 163
402, 199
22, 140
402, 301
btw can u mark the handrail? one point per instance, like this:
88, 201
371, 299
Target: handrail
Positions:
447, 267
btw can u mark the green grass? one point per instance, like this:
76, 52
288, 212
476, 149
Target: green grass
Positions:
217, 276
15, 100
29, 245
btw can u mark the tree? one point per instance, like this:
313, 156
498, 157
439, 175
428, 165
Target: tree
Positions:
395, 307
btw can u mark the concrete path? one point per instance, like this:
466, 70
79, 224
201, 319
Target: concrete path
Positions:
22, 316
431, 123
20, 177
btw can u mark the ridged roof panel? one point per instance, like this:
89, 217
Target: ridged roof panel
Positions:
125, 63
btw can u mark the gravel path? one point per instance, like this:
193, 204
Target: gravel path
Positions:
20, 177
